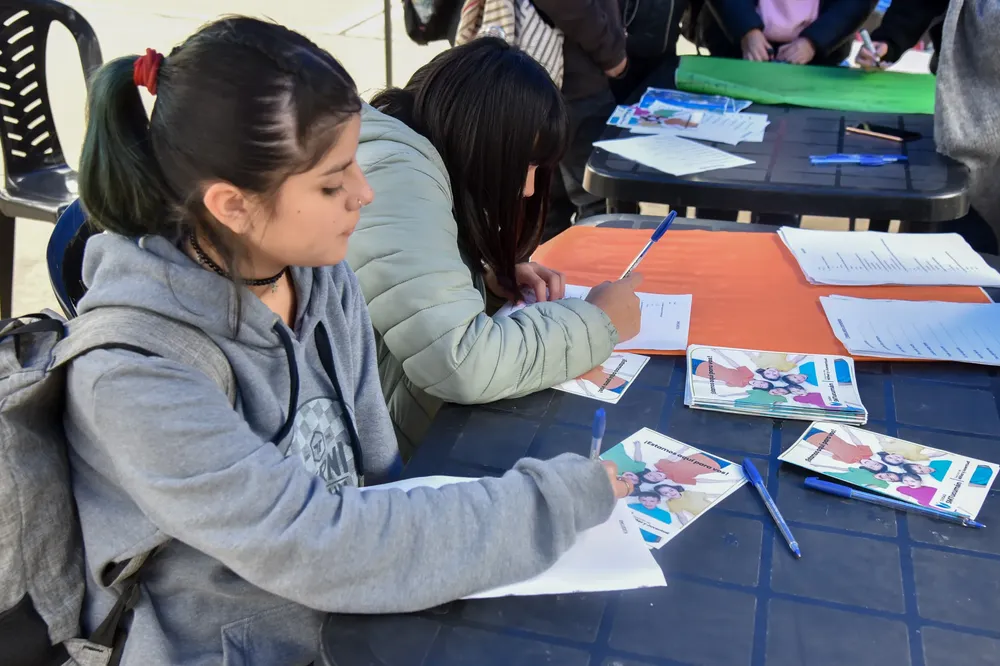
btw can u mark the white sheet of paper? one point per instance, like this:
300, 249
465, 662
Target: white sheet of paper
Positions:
931, 330
872, 257
611, 556
666, 319
609, 381
672, 154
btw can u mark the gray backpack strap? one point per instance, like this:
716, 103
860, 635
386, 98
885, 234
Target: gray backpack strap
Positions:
147, 333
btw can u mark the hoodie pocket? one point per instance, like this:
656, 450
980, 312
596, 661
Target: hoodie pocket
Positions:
288, 634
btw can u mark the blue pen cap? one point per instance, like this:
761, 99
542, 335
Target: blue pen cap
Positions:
663, 226
751, 472
825, 486
600, 421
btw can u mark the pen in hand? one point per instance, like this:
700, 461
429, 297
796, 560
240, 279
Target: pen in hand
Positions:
657, 235
597, 434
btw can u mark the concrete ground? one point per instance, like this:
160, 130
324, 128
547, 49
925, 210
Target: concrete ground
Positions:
350, 29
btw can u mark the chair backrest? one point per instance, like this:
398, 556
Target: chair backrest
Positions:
28, 136
65, 256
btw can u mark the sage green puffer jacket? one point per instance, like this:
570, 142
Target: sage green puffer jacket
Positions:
435, 340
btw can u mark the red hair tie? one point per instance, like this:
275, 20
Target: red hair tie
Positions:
146, 69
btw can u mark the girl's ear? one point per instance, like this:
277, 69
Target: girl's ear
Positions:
229, 206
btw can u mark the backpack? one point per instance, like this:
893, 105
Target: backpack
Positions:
41, 556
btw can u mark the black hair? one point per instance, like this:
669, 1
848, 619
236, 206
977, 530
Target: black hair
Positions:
657, 487
648, 493
491, 112
911, 475
885, 468
243, 101
908, 467
642, 475
883, 454
770, 385
786, 379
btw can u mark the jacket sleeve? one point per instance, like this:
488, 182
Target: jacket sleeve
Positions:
905, 22
186, 459
737, 17
587, 24
431, 316
836, 22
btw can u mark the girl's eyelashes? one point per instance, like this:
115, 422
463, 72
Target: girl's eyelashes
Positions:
332, 191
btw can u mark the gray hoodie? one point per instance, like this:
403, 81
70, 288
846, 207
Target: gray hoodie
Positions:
260, 526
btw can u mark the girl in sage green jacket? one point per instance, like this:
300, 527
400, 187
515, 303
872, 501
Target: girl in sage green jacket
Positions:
460, 162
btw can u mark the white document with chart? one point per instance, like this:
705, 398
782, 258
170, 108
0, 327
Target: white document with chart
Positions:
855, 258
928, 330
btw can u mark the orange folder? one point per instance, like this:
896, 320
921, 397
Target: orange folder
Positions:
748, 291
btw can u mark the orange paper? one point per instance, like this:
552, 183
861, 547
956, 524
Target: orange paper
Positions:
748, 291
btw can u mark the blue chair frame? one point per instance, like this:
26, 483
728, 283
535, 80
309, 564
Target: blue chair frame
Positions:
65, 256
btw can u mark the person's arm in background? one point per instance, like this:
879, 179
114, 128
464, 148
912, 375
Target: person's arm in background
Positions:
597, 32
903, 24
422, 299
742, 25
836, 23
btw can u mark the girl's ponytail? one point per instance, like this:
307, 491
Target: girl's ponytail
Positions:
121, 184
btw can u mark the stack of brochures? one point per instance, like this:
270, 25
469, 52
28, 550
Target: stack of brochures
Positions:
774, 384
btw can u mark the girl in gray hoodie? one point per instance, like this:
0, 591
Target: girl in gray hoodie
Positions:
229, 209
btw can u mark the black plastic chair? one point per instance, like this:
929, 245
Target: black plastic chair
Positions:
38, 182
64, 256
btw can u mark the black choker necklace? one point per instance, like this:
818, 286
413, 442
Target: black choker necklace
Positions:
207, 261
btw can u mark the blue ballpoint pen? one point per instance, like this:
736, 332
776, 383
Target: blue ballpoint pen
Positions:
843, 491
657, 235
754, 476
862, 160
597, 435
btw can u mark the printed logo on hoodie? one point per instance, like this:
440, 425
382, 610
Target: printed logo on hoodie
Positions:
321, 438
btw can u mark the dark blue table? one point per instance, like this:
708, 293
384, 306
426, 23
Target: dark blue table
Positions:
874, 587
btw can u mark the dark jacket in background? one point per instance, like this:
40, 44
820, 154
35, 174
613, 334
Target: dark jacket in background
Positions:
906, 21
830, 33
595, 42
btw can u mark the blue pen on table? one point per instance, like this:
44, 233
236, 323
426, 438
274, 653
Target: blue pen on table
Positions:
843, 491
597, 435
657, 235
862, 160
754, 476
867, 40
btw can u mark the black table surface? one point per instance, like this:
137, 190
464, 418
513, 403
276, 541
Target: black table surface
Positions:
874, 587
928, 188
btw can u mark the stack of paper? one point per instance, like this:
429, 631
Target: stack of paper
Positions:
894, 467
664, 326
672, 154
611, 556
674, 484
773, 384
730, 128
608, 381
928, 330
871, 257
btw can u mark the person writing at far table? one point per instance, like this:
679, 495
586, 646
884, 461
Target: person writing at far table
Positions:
966, 108
904, 23
800, 32
461, 159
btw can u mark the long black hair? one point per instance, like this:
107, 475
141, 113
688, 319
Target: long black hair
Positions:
243, 101
491, 112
